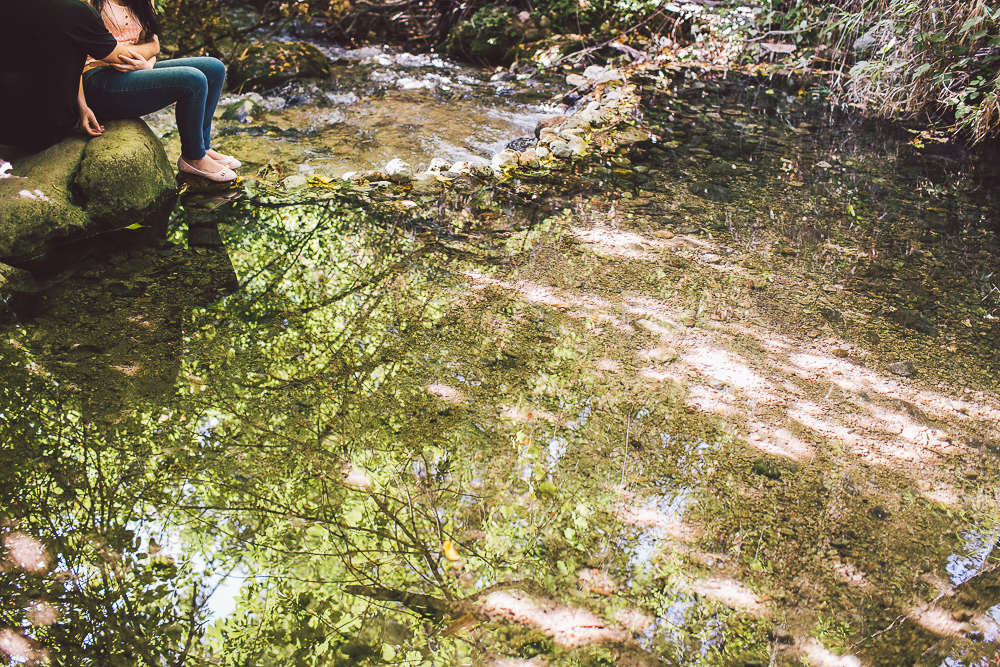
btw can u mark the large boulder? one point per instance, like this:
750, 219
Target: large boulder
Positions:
83, 187
272, 63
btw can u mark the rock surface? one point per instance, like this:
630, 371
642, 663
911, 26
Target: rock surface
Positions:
903, 368
397, 171
79, 188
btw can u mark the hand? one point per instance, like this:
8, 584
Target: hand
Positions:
88, 121
132, 64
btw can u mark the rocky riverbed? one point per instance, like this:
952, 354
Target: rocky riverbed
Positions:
729, 397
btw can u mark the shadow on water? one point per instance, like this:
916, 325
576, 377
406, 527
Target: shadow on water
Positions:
341, 439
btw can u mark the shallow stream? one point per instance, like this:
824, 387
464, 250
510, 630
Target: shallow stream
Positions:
641, 411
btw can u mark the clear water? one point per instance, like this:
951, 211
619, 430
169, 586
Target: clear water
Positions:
349, 437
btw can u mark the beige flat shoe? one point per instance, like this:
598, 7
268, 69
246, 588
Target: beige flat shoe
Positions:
226, 174
228, 161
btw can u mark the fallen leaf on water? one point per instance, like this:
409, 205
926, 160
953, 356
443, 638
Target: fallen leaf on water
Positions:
450, 552
597, 581
466, 622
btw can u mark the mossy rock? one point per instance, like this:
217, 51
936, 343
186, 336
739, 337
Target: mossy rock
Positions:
80, 188
267, 65
125, 175
243, 111
491, 36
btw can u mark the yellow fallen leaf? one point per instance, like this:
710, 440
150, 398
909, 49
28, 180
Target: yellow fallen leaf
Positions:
450, 552
466, 622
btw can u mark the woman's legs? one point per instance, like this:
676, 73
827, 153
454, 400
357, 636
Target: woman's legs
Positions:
215, 77
194, 83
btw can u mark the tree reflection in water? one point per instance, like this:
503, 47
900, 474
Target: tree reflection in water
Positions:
401, 466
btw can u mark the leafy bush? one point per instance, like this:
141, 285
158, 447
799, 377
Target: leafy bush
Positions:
905, 59
489, 36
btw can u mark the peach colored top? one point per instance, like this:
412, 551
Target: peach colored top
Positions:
121, 22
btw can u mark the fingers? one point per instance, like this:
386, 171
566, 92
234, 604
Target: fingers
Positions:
131, 65
91, 126
127, 64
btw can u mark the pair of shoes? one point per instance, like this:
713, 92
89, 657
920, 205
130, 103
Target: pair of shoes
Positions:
226, 174
228, 161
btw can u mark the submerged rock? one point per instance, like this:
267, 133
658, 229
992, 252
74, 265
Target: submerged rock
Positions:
711, 192
902, 368
631, 135
913, 319
80, 188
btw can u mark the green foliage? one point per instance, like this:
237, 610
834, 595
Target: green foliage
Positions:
903, 59
489, 36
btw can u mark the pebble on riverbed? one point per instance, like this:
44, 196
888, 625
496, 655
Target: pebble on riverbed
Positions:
903, 368
399, 172
504, 159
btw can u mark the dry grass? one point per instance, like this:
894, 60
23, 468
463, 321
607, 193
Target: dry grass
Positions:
921, 60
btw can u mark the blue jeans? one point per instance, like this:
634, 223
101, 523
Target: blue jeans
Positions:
195, 84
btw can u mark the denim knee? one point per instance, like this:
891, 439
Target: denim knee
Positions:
193, 78
216, 68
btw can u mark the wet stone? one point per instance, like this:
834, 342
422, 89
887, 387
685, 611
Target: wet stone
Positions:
711, 192
913, 319
520, 144
902, 368
548, 122
766, 468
